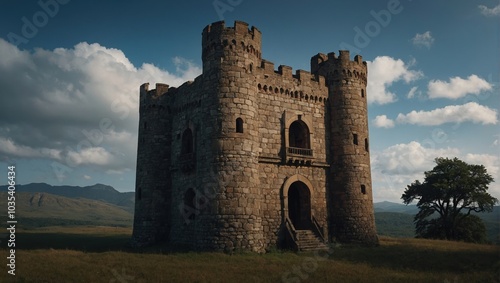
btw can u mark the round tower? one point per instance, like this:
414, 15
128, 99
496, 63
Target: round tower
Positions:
230, 56
351, 203
153, 183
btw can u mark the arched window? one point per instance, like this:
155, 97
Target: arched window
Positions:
239, 125
298, 135
187, 142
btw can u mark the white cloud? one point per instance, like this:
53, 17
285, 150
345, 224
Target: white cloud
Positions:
408, 159
491, 162
423, 39
54, 101
383, 72
87, 177
490, 12
399, 165
382, 121
469, 112
457, 87
8, 147
413, 92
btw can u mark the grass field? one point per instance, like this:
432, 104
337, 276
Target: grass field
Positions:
99, 254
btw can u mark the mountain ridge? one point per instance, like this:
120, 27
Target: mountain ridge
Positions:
98, 191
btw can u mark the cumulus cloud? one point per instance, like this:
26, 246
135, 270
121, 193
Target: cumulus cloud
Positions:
384, 71
399, 165
490, 12
409, 159
423, 39
469, 112
382, 121
457, 87
76, 106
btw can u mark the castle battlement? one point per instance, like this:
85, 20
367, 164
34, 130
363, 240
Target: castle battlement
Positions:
160, 90
239, 29
247, 157
217, 37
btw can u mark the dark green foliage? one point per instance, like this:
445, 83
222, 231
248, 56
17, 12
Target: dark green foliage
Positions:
451, 191
394, 224
472, 229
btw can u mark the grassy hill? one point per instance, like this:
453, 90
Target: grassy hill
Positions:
44, 209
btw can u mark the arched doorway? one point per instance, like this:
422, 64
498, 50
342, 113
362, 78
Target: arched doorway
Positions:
299, 205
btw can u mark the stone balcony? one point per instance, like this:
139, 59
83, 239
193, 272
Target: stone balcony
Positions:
299, 156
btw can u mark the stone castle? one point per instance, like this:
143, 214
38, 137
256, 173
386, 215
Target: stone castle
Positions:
249, 158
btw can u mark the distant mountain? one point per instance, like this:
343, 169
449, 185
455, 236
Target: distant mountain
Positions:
44, 209
387, 206
95, 192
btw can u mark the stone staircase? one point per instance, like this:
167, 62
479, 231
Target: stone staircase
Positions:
307, 240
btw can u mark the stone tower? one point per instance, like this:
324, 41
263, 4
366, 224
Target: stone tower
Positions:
351, 211
246, 157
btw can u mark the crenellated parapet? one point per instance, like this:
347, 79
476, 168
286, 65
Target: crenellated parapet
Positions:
299, 86
339, 69
218, 40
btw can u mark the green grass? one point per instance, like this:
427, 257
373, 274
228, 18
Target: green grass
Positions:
99, 254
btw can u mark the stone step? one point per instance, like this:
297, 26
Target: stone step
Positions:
309, 241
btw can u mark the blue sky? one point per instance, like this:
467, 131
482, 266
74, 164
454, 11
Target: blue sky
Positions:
70, 73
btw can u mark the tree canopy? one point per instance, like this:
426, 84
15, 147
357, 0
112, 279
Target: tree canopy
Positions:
450, 192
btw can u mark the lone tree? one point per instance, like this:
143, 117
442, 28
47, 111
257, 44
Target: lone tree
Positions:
452, 189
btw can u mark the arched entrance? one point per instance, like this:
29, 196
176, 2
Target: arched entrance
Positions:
299, 205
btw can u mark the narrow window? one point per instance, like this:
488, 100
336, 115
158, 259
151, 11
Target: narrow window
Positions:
363, 189
362, 93
355, 139
239, 125
366, 145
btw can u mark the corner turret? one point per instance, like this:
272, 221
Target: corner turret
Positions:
219, 41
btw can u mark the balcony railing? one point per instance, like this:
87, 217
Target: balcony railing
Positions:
299, 151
